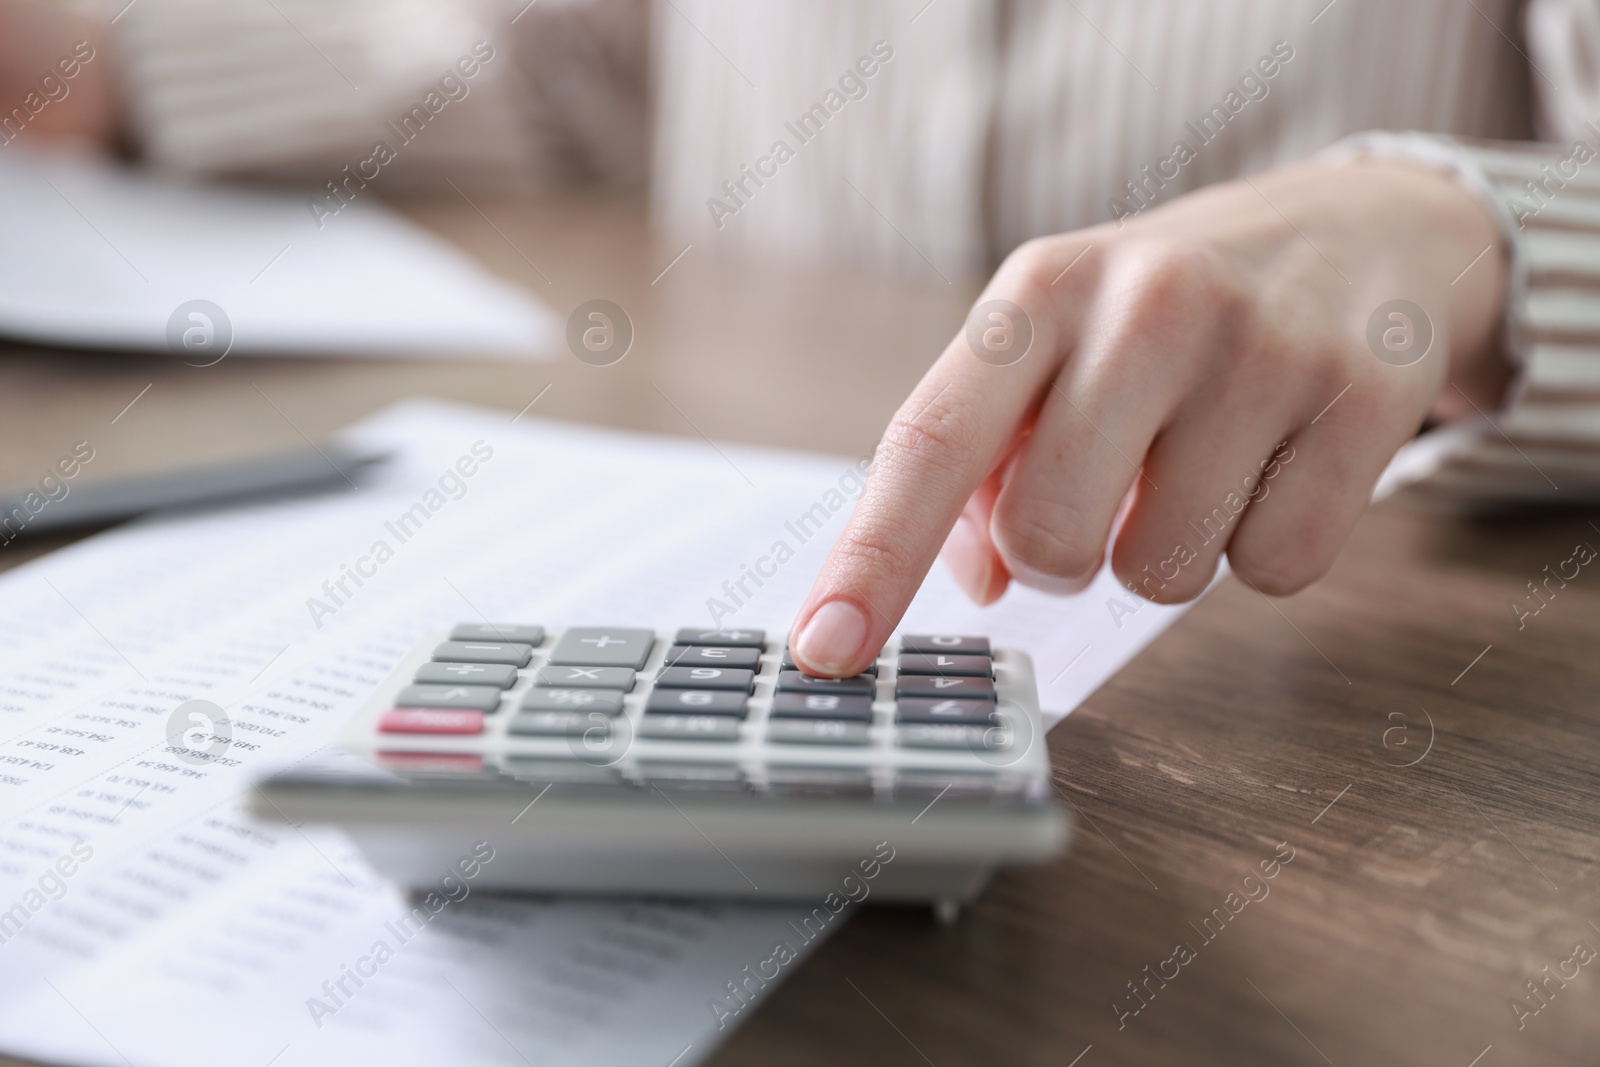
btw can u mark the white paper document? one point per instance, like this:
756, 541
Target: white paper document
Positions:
145, 920
102, 256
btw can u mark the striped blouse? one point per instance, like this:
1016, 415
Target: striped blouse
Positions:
932, 136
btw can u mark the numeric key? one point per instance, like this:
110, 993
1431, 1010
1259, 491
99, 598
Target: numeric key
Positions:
731, 638
706, 678
713, 656
939, 685
946, 643
696, 702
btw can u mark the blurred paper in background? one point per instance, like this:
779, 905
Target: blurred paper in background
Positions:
97, 256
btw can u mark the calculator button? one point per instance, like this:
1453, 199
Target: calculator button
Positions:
713, 656
932, 710
478, 697
431, 721
501, 674
483, 652
789, 664
735, 638
933, 643
497, 631
603, 646
696, 702
950, 735
939, 685
860, 685
822, 706
600, 700
690, 727
706, 678
585, 677
939, 663
816, 732
559, 723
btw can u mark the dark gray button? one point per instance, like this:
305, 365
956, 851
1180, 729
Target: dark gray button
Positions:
696, 702
498, 631
501, 674
817, 732
861, 684
732, 638
939, 663
822, 706
600, 700
950, 735
929, 709
559, 723
603, 646
477, 697
789, 664
690, 727
586, 677
949, 643
939, 685
484, 652
706, 678
713, 656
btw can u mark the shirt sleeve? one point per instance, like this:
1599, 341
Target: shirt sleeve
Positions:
471, 91
1543, 443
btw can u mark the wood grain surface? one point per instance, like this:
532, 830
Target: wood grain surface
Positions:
1419, 899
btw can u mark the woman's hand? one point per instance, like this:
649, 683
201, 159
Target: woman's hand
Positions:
1204, 370
39, 104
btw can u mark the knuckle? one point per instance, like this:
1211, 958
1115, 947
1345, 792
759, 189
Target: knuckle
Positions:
1056, 544
1278, 574
936, 437
869, 548
1186, 280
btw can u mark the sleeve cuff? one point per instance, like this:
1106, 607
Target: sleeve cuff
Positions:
1544, 443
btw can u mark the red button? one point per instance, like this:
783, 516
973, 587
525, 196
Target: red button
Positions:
431, 721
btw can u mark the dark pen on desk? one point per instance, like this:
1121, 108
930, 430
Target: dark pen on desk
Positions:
56, 503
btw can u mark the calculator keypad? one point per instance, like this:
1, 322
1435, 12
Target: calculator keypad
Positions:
600, 646
597, 690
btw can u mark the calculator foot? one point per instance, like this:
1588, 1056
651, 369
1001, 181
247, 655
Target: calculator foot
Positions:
946, 909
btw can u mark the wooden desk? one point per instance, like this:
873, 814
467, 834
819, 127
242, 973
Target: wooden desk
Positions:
1418, 900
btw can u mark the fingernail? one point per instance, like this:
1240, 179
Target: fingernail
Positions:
969, 560
832, 639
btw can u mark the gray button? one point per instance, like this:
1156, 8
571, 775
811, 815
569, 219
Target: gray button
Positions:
939, 663
564, 699
498, 631
860, 685
483, 652
501, 674
950, 735
939, 685
735, 638
477, 697
822, 706
789, 664
586, 677
603, 646
949, 643
696, 702
559, 723
706, 678
690, 727
930, 709
817, 732
713, 656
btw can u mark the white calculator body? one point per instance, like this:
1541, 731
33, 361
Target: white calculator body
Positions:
689, 763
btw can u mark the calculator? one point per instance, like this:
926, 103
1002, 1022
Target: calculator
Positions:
700, 762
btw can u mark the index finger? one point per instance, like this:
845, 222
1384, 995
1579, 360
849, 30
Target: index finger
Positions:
956, 425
